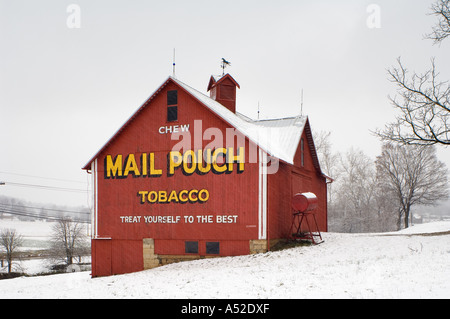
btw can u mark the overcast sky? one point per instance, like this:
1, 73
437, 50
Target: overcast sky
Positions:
66, 88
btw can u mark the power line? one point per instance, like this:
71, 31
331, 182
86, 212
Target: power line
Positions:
36, 215
48, 178
46, 209
62, 189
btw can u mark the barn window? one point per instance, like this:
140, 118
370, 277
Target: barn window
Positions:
172, 108
213, 248
191, 247
172, 98
172, 114
302, 152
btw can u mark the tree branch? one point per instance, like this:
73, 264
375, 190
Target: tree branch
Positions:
424, 108
441, 31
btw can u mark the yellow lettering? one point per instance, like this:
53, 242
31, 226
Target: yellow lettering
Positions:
131, 166
173, 197
143, 194
240, 158
191, 198
221, 160
152, 197
217, 168
175, 160
203, 195
189, 157
184, 196
144, 164
153, 171
162, 197
183, 199
113, 169
200, 159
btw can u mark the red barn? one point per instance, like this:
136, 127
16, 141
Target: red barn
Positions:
187, 177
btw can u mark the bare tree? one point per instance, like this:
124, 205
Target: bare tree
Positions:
414, 175
424, 100
11, 241
363, 201
441, 31
385, 208
68, 241
424, 105
327, 158
356, 190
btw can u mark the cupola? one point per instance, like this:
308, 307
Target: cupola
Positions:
223, 90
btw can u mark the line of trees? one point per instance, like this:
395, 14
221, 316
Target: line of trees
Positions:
27, 211
68, 243
377, 195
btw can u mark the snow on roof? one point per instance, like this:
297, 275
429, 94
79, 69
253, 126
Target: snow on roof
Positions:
217, 77
278, 137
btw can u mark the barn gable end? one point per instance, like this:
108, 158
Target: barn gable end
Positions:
165, 189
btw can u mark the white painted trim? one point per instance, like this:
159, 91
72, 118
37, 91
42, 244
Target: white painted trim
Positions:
262, 196
94, 171
259, 193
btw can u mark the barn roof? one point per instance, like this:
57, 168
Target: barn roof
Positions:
216, 79
278, 137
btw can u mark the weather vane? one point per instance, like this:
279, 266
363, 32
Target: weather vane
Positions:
224, 64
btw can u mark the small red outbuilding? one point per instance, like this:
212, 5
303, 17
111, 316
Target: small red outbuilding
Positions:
188, 177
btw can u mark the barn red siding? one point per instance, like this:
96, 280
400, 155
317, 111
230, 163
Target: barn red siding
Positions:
123, 205
101, 257
291, 180
119, 197
279, 202
307, 178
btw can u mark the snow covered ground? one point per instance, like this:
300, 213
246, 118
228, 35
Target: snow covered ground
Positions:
36, 236
394, 265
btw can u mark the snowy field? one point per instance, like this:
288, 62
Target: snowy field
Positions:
36, 236
394, 265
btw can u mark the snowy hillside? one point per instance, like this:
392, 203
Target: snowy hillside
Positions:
395, 265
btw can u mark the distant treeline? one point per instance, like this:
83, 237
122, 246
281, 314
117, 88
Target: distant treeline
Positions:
13, 208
